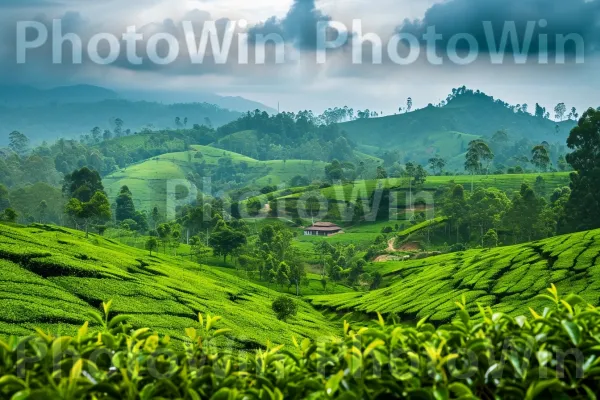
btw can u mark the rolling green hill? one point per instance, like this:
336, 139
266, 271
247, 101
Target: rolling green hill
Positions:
508, 277
51, 277
447, 130
148, 180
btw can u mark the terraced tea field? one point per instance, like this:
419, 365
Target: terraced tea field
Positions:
148, 180
508, 277
51, 277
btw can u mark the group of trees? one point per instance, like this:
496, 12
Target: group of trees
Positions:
301, 136
485, 215
87, 204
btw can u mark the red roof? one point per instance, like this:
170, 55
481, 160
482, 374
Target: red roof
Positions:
323, 227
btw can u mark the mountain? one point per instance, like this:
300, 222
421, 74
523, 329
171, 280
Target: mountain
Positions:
447, 130
68, 111
27, 96
234, 103
68, 120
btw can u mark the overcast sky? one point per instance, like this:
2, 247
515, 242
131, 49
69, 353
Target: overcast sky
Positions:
301, 83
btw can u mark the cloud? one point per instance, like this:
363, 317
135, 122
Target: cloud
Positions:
298, 27
27, 3
467, 17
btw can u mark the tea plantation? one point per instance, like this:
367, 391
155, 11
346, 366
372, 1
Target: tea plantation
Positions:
53, 277
509, 278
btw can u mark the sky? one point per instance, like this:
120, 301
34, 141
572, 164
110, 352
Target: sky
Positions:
300, 82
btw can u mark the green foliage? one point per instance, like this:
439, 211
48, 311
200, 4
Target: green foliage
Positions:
53, 277
151, 244
284, 308
9, 215
125, 208
490, 239
584, 141
487, 355
508, 277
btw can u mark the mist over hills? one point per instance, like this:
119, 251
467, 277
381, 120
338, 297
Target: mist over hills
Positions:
68, 111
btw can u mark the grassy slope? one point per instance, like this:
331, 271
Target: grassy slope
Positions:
50, 277
510, 277
148, 180
507, 183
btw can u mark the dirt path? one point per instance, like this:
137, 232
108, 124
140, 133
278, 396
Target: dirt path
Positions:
391, 244
406, 247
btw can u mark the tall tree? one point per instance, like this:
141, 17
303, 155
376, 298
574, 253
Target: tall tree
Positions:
125, 208
540, 158
96, 210
437, 164
478, 157
18, 143
225, 241
82, 184
409, 104
559, 111
583, 207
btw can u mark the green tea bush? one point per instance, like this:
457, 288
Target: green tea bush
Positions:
488, 355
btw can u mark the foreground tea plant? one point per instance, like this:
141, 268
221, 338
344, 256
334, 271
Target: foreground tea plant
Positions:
488, 356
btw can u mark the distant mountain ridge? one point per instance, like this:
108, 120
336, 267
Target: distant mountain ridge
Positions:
27, 96
68, 111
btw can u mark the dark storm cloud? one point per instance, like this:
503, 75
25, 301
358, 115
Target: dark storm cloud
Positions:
563, 17
298, 27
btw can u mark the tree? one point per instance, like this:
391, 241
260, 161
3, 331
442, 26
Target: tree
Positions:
164, 234
42, 210
96, 210
4, 200
151, 245
125, 208
437, 164
155, 217
296, 275
284, 307
18, 143
9, 215
540, 158
540, 111
409, 104
523, 216
118, 127
454, 206
574, 114
82, 184
559, 111
96, 134
583, 207
478, 157
225, 241
490, 239
199, 250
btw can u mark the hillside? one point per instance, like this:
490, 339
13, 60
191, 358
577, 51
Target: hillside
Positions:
447, 130
51, 277
148, 180
364, 189
508, 277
